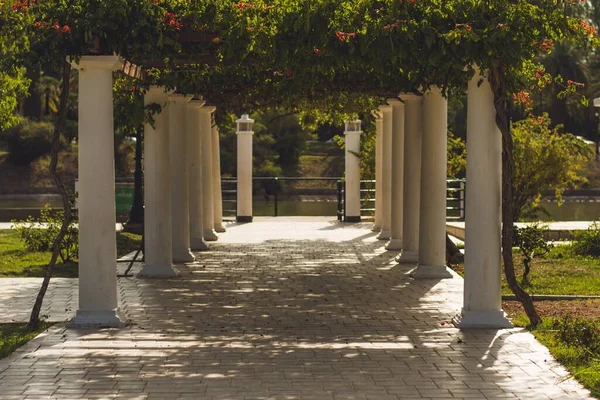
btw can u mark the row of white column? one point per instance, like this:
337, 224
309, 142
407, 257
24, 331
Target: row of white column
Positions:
411, 158
182, 193
182, 182
182, 187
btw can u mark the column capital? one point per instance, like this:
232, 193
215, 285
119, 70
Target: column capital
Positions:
434, 89
395, 102
179, 98
376, 114
208, 109
385, 108
111, 63
196, 103
156, 94
411, 97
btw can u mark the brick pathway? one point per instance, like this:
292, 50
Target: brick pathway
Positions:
282, 309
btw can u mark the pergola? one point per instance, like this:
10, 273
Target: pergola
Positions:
182, 190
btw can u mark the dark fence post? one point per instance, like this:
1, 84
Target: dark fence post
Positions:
276, 199
340, 209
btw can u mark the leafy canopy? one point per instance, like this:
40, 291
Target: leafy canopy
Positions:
301, 53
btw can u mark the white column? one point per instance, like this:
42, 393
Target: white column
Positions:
482, 292
397, 206
413, 124
378, 170
352, 178
197, 241
210, 234
158, 249
432, 230
386, 174
98, 302
218, 197
244, 176
180, 195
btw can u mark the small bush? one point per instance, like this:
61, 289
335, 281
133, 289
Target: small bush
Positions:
531, 240
28, 141
38, 238
587, 243
579, 332
561, 251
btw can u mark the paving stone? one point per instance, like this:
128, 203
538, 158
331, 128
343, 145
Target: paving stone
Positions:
289, 308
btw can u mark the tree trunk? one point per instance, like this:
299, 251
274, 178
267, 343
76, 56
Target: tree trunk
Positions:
136, 212
526, 269
502, 104
34, 318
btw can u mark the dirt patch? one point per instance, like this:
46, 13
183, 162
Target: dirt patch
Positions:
574, 308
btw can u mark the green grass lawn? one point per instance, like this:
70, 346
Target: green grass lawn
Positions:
17, 261
572, 275
558, 273
13, 336
581, 359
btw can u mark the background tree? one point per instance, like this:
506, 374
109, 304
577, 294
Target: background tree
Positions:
545, 158
14, 44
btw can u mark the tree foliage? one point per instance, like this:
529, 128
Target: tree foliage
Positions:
14, 42
545, 158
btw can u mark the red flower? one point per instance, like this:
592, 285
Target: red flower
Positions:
65, 29
37, 24
317, 52
343, 36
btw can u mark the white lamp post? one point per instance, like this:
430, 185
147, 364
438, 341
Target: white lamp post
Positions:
352, 160
244, 168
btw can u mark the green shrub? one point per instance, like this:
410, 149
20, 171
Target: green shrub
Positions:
579, 332
28, 141
38, 238
561, 251
587, 243
531, 240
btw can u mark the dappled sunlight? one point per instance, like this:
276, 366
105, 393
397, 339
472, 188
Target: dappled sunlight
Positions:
288, 319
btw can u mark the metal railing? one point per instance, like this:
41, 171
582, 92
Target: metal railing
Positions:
367, 199
455, 199
275, 188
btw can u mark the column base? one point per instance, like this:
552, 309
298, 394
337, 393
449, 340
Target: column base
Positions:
211, 236
183, 257
375, 228
158, 271
97, 319
243, 219
220, 228
394, 245
384, 235
198, 244
431, 272
408, 257
352, 219
482, 319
